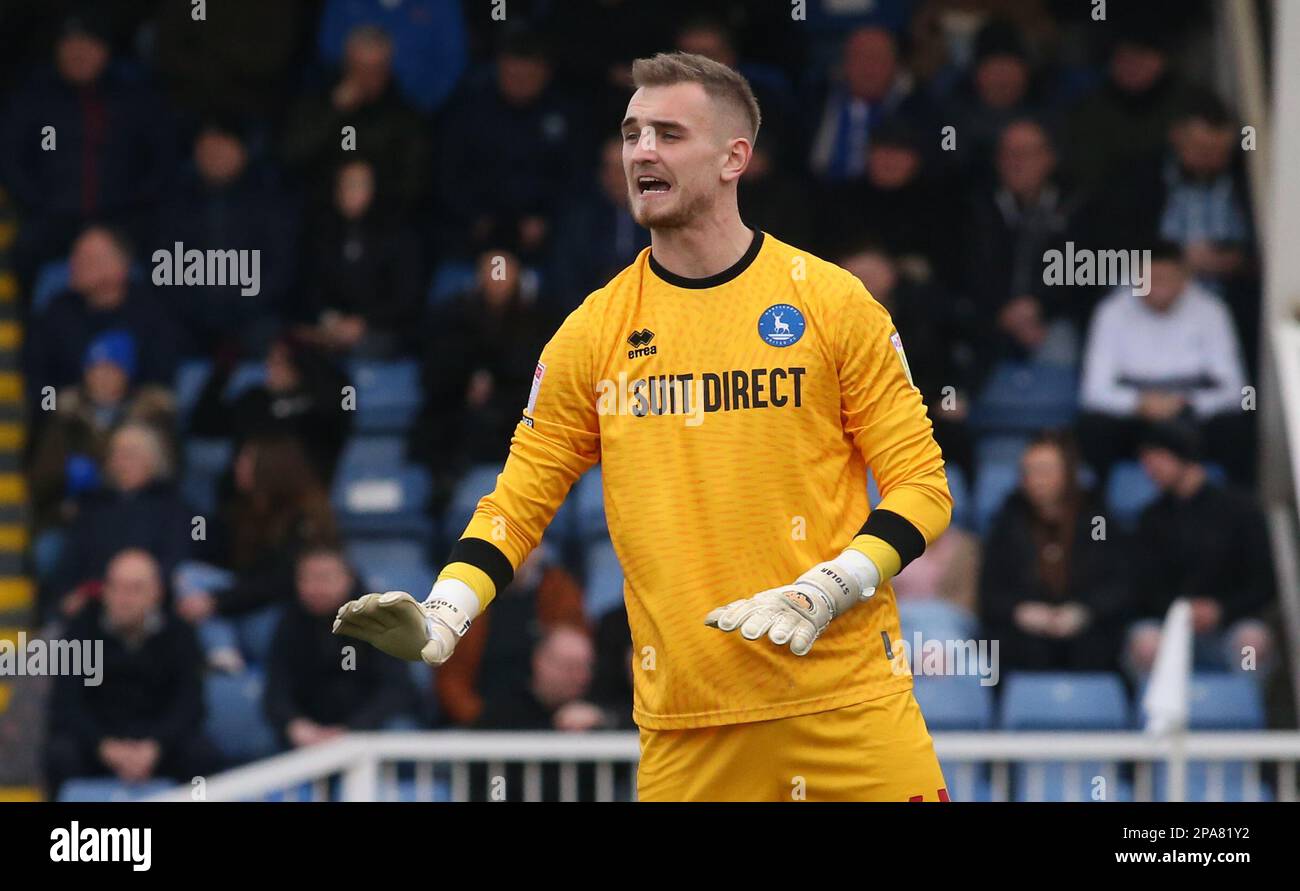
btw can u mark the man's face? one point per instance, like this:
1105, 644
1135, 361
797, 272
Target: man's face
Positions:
131, 460
675, 149
220, 157
1167, 282
892, 166
612, 180
81, 59
132, 590
369, 63
870, 63
1135, 69
97, 270
522, 79
562, 667
106, 383
324, 584
1025, 160
1203, 150
1001, 81
877, 271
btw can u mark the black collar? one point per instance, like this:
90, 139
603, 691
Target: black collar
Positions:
710, 281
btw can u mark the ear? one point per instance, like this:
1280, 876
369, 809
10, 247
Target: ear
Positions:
739, 151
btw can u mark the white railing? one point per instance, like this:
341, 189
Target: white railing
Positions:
438, 765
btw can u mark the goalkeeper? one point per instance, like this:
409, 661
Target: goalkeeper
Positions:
735, 390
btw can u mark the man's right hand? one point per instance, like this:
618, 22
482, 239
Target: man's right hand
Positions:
399, 625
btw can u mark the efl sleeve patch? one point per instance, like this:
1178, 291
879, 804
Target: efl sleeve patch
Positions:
537, 386
898, 347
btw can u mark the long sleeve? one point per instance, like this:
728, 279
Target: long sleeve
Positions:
554, 444
885, 416
1101, 389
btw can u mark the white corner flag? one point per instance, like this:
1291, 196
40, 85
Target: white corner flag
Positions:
1165, 702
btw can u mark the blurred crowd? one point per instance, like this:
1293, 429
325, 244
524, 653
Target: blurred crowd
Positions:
431, 186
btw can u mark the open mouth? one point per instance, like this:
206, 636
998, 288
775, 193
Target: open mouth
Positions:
648, 184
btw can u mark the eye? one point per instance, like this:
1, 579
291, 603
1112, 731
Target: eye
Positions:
630, 136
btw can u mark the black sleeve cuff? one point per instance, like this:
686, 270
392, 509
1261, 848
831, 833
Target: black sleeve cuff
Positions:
484, 555
897, 532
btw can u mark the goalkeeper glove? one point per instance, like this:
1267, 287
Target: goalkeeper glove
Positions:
399, 625
798, 613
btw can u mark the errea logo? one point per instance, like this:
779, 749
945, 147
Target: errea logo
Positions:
640, 342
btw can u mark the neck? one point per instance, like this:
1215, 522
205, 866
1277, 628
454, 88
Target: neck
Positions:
708, 245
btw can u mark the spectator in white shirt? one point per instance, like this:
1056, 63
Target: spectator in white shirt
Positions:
1171, 353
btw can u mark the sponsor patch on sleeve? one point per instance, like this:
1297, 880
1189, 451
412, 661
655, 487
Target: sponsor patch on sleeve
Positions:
898, 347
537, 386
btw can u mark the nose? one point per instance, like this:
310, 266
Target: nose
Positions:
646, 150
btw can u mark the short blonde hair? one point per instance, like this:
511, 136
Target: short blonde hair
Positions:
719, 81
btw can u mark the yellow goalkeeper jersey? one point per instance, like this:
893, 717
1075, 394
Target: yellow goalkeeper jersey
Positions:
734, 418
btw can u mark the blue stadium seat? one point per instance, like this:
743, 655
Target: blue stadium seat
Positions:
477, 482
1128, 492
1026, 397
393, 565
234, 720
378, 493
51, 281
388, 394
101, 789
1005, 449
205, 460
449, 280
994, 481
963, 511
954, 702
588, 500
604, 588
1223, 701
408, 791
245, 376
1064, 701
188, 385
935, 618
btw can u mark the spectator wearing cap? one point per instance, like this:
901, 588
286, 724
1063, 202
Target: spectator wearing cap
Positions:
144, 719
363, 276
138, 506
102, 295
869, 86
1169, 353
389, 132
224, 200
113, 150
511, 151
69, 455
1205, 543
